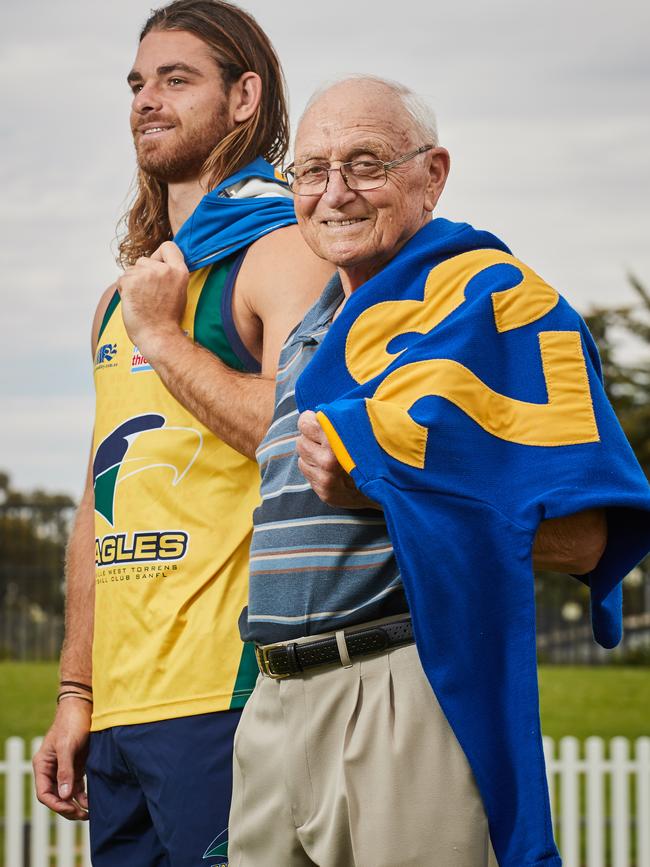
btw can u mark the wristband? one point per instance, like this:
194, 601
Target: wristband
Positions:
77, 684
75, 694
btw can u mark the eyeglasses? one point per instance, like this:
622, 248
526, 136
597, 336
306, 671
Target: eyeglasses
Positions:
311, 179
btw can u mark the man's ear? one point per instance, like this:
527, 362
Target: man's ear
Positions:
245, 96
439, 162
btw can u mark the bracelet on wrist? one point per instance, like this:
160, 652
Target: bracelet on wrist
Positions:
71, 694
77, 684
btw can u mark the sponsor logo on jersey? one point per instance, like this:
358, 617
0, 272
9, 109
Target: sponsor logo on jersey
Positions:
142, 547
142, 442
105, 354
139, 362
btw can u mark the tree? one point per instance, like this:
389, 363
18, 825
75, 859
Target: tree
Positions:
33, 536
623, 338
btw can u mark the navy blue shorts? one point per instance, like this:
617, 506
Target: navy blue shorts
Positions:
159, 793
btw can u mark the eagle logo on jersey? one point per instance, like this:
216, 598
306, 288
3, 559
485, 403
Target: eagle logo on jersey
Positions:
219, 847
140, 443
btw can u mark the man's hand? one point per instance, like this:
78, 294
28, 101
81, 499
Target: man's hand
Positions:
318, 464
154, 294
60, 763
573, 544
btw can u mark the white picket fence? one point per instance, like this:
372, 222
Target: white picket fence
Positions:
583, 786
52, 840
600, 798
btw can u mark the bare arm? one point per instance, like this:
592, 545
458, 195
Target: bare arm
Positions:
573, 544
236, 406
76, 653
59, 764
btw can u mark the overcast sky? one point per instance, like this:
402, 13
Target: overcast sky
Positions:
544, 107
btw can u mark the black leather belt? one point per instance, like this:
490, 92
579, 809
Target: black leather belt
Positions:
288, 659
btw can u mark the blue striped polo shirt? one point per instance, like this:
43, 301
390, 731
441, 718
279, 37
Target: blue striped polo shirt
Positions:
314, 568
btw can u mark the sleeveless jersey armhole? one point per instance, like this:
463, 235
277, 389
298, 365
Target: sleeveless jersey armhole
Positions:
214, 327
249, 362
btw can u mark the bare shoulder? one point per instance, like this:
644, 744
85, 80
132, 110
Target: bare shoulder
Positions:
281, 266
279, 280
100, 312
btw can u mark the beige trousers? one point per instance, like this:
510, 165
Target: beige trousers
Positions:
353, 767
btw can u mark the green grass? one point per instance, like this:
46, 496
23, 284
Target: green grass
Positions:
577, 701
28, 691
603, 701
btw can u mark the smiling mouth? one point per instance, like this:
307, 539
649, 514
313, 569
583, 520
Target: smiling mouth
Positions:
338, 224
155, 130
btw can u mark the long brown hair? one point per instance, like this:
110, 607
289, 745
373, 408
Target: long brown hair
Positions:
238, 45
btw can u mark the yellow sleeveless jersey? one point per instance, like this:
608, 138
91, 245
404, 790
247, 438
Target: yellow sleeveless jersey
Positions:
173, 507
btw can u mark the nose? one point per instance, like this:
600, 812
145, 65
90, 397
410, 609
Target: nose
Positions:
147, 99
337, 192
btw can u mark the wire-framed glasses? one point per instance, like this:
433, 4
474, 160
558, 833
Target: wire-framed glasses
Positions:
311, 179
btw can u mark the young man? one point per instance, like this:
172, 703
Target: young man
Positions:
184, 378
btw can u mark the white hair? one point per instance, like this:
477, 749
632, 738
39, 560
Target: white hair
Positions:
416, 107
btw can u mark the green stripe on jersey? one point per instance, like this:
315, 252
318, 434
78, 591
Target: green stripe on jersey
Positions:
208, 323
246, 676
112, 304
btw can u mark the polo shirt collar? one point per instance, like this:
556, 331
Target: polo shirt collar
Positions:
313, 327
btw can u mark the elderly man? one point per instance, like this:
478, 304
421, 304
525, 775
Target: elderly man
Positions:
461, 397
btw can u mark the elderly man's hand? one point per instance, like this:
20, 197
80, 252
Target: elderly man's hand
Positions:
318, 464
154, 294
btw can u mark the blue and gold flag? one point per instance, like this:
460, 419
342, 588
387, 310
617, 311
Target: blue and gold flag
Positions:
464, 395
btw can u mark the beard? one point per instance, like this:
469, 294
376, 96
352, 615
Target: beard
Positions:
182, 157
